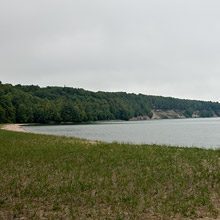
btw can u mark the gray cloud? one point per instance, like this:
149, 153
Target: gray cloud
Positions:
168, 48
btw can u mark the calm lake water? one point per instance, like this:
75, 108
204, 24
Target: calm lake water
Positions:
182, 132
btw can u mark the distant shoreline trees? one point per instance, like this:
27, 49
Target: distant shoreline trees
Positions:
32, 104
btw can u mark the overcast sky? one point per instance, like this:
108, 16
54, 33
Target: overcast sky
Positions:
169, 48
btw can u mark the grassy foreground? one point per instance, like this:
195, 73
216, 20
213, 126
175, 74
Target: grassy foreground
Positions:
65, 178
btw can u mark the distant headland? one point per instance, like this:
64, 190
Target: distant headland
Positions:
33, 104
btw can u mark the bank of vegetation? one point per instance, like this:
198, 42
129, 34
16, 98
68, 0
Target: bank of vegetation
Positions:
49, 177
32, 104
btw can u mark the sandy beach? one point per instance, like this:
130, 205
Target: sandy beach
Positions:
14, 127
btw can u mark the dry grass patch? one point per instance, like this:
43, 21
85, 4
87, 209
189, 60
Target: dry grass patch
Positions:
57, 177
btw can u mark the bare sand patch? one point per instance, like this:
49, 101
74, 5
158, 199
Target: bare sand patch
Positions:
14, 127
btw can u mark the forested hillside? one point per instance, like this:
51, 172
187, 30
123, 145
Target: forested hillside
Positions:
32, 104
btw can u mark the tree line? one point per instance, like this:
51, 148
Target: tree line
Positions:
33, 104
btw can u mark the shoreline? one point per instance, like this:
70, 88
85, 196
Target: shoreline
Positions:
14, 127
30, 161
20, 127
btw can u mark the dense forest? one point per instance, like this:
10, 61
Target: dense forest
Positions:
33, 104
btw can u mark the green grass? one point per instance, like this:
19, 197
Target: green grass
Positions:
57, 177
